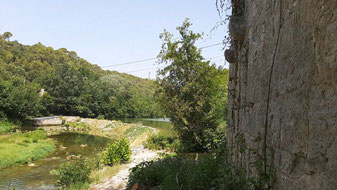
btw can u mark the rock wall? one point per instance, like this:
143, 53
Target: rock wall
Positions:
283, 91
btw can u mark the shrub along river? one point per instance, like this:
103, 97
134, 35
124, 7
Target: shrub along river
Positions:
38, 177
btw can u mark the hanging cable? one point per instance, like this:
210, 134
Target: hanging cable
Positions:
154, 58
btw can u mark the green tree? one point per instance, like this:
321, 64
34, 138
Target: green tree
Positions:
7, 35
192, 91
18, 100
73, 85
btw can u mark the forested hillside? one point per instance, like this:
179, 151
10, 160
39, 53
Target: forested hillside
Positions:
39, 81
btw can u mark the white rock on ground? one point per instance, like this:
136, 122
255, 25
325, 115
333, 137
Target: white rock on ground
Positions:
119, 181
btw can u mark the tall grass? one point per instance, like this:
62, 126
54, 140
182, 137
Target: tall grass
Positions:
22, 148
207, 171
176, 173
100, 175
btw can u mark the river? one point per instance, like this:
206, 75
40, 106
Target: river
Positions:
38, 177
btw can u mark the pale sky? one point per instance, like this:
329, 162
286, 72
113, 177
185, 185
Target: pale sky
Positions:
111, 32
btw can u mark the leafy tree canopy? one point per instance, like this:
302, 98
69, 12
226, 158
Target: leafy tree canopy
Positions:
7, 35
71, 85
192, 91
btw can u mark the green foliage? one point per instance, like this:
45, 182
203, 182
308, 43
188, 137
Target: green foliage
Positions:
20, 100
176, 173
160, 142
117, 152
78, 126
36, 135
133, 97
7, 35
100, 117
192, 91
208, 171
74, 174
71, 86
229, 177
24, 147
6, 127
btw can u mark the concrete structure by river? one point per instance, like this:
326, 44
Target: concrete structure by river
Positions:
53, 120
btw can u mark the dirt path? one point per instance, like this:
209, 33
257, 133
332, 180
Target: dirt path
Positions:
119, 181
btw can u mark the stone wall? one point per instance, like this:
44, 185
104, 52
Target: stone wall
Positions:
283, 91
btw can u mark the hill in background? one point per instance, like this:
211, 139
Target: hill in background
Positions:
39, 81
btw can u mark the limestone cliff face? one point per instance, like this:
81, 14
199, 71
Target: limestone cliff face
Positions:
283, 91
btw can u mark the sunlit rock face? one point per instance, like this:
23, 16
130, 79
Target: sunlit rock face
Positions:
283, 93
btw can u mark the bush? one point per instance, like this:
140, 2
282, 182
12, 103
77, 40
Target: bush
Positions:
117, 152
173, 173
100, 117
229, 176
209, 171
3, 116
77, 126
160, 142
6, 127
74, 173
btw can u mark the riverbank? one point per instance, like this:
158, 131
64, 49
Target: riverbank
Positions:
120, 179
23, 148
136, 133
82, 137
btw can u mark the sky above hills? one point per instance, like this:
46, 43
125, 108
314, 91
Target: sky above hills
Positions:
112, 32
